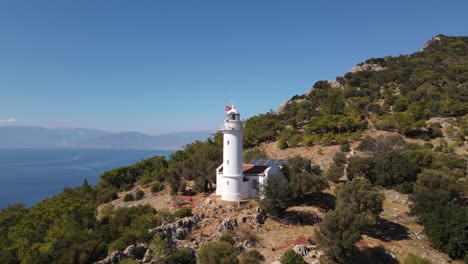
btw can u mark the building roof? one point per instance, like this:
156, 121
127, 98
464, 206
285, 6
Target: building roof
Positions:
233, 110
268, 162
249, 169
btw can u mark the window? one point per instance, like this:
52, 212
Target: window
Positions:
227, 183
227, 162
228, 142
255, 184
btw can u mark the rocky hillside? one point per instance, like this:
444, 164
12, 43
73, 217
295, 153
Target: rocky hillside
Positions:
391, 186
392, 94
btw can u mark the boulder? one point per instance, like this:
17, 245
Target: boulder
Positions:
227, 224
116, 257
301, 250
180, 233
135, 251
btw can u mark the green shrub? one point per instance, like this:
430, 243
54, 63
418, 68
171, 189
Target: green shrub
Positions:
157, 187
128, 197
164, 215
182, 212
334, 173
139, 195
291, 257
107, 195
181, 255
218, 253
227, 238
339, 158
252, 257
345, 147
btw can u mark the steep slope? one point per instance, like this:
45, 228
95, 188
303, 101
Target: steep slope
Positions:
392, 94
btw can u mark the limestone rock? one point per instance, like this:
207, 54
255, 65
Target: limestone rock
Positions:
227, 224
301, 250
367, 67
179, 229
135, 251
180, 233
115, 257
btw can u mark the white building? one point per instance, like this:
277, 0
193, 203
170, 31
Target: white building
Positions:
235, 180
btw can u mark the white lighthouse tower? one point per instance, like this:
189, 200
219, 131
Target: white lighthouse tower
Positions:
234, 180
231, 186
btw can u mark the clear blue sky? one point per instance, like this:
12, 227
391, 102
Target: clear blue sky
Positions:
163, 66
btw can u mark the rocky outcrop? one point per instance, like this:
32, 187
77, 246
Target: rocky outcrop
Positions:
227, 224
179, 229
286, 103
136, 252
308, 251
366, 67
301, 250
434, 40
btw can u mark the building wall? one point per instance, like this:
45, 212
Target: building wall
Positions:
234, 189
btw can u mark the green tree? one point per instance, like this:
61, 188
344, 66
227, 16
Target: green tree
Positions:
254, 153
334, 173
381, 145
303, 177
447, 229
261, 128
339, 231
275, 195
9, 217
362, 195
333, 103
434, 189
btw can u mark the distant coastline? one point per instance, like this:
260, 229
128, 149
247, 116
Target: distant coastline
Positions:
30, 175
25, 137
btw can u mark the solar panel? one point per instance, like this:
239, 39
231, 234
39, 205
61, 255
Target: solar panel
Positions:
268, 162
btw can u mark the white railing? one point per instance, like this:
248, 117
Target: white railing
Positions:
232, 125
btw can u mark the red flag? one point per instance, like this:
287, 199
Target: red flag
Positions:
227, 108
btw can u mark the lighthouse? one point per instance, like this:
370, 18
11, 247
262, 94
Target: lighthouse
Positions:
234, 180
233, 130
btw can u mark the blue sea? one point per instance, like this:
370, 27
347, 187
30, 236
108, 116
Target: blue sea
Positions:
30, 175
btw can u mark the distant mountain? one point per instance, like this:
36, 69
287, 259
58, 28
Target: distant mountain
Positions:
39, 137
139, 140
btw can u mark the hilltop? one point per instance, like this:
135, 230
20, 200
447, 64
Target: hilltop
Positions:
377, 174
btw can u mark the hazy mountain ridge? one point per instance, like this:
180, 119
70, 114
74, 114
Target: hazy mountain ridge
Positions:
40, 137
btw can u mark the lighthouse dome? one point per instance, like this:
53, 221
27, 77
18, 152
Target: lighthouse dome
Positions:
233, 110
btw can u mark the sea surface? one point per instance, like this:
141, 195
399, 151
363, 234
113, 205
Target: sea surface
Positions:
30, 175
